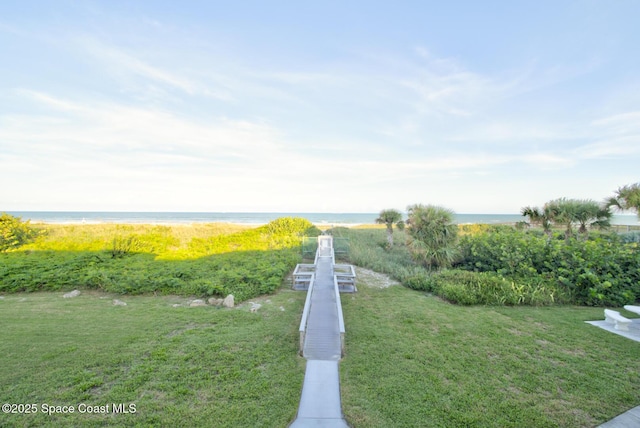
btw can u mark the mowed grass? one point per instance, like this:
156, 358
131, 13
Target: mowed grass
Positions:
414, 360
179, 366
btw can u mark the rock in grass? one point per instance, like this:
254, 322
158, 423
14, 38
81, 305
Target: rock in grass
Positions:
196, 303
215, 302
117, 302
228, 301
74, 293
255, 307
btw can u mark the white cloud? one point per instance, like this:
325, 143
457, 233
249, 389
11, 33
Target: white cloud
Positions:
615, 147
212, 129
623, 123
617, 136
120, 63
130, 155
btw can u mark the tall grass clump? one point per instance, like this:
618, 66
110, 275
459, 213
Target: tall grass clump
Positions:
369, 248
488, 288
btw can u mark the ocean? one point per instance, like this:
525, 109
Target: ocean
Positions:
335, 219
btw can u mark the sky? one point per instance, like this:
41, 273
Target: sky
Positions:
325, 106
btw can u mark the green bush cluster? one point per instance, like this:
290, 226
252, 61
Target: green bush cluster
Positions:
244, 275
246, 264
599, 271
281, 233
500, 265
14, 232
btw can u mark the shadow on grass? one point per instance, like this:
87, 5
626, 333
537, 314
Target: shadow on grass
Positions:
245, 274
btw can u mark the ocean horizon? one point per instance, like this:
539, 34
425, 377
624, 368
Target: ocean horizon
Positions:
251, 218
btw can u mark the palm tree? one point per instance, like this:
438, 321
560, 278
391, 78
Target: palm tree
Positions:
592, 214
562, 212
389, 218
432, 234
538, 217
584, 213
626, 198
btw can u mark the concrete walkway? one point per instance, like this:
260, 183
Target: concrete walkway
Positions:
320, 404
630, 419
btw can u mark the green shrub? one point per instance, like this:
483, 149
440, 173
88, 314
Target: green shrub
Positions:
630, 237
246, 263
417, 279
14, 232
602, 270
292, 226
432, 235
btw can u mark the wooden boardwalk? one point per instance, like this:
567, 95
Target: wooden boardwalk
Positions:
322, 330
322, 337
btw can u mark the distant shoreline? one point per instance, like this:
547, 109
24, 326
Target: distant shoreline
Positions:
252, 219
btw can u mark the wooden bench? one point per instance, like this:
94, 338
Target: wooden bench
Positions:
614, 317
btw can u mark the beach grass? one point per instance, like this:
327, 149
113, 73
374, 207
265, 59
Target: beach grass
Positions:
97, 237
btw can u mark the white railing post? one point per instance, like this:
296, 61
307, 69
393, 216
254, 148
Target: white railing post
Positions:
340, 317
305, 313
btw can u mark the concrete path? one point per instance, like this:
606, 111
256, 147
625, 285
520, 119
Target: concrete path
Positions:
633, 333
320, 404
630, 419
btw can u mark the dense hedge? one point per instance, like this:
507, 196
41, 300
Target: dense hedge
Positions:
501, 265
601, 270
245, 264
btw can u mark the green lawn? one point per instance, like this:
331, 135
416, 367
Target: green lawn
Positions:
411, 360
179, 366
415, 360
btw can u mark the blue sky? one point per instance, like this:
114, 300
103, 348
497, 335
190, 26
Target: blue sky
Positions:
332, 106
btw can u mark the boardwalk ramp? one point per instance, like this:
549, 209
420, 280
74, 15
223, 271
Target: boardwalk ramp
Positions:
322, 344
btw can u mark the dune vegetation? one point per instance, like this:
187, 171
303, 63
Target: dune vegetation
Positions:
503, 356
557, 258
200, 260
